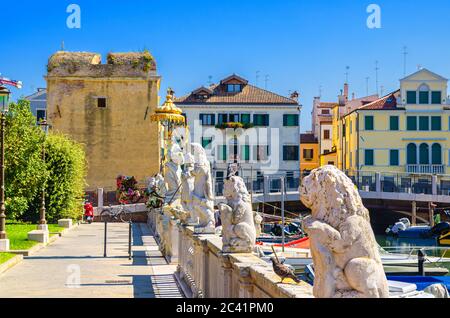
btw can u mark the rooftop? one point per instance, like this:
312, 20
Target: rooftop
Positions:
244, 94
308, 138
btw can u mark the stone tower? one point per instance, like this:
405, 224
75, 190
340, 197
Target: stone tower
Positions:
107, 108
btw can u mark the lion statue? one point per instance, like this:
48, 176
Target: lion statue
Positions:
344, 250
238, 225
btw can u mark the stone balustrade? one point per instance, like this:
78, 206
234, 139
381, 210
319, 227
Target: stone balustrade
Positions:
204, 271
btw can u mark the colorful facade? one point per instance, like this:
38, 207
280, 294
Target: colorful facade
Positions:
406, 131
309, 152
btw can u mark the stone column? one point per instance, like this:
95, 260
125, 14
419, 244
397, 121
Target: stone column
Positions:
100, 197
378, 182
414, 213
434, 185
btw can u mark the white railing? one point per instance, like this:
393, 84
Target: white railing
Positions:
431, 169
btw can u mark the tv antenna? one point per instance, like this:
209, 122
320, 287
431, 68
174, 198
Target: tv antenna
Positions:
405, 54
347, 69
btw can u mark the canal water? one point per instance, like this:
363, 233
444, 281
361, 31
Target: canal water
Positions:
404, 246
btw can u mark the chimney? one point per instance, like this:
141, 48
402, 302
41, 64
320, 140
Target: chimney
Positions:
353, 96
346, 91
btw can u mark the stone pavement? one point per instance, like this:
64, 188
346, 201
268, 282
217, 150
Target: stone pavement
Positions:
74, 267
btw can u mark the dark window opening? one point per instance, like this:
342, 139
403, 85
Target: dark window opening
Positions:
101, 102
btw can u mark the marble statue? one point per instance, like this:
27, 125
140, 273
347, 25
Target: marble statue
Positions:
187, 187
172, 176
345, 254
202, 193
238, 219
258, 223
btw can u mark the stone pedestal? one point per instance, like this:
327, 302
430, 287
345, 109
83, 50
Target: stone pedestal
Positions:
174, 241
4, 245
42, 227
38, 236
65, 223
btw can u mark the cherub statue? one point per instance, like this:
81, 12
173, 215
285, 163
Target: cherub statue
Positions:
345, 253
172, 176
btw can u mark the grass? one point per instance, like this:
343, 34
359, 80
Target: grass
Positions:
18, 234
5, 257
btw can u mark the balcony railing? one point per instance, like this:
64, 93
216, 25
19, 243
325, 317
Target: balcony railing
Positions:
431, 169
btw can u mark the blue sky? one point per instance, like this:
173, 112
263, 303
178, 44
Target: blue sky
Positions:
300, 44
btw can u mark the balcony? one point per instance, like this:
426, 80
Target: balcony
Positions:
427, 169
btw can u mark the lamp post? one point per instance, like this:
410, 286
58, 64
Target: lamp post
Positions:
42, 221
4, 101
170, 117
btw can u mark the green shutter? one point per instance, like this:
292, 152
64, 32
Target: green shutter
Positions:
424, 123
436, 154
424, 97
436, 98
424, 156
411, 97
436, 123
290, 120
245, 153
245, 118
369, 157
411, 154
223, 152
369, 122
411, 123
394, 125
206, 142
394, 157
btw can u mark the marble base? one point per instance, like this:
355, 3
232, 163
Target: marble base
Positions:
204, 230
38, 236
65, 223
42, 227
4, 245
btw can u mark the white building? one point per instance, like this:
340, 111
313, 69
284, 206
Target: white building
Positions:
38, 104
267, 139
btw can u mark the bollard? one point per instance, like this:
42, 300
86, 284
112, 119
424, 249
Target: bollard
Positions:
106, 236
421, 260
129, 240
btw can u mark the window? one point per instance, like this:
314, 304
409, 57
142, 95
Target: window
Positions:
436, 98
262, 153
424, 97
411, 154
101, 102
234, 88
308, 154
411, 123
290, 153
234, 118
325, 111
394, 157
394, 123
368, 122
411, 97
222, 119
40, 115
368, 157
424, 123
436, 123
245, 118
290, 120
343, 130
261, 120
326, 134
222, 152
436, 154
424, 154
245, 153
208, 119
206, 142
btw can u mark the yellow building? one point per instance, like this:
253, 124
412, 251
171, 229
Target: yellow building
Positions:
309, 152
107, 108
406, 131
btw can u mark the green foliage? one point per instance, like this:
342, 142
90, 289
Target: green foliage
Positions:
62, 174
66, 164
25, 171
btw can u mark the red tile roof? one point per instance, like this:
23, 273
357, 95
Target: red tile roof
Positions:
249, 95
387, 102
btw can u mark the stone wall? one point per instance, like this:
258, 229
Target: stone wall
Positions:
205, 272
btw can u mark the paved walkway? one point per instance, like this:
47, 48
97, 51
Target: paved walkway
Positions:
74, 267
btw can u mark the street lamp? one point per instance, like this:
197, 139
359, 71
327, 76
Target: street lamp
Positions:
42, 221
4, 101
170, 117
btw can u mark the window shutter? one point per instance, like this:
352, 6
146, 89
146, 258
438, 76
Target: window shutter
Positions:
436, 123
411, 123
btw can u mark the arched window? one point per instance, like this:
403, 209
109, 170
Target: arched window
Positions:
436, 154
411, 154
424, 94
424, 154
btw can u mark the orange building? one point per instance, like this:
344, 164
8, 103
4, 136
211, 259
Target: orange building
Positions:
309, 152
